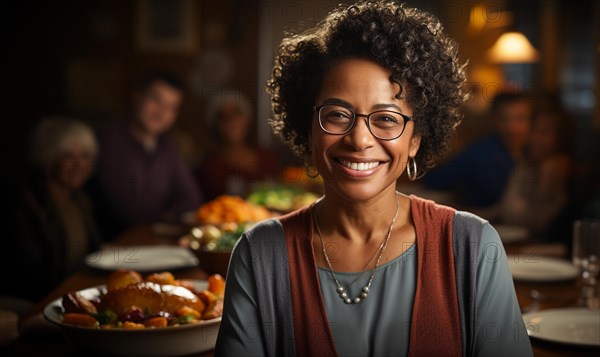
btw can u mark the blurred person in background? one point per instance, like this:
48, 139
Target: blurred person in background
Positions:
54, 227
479, 174
235, 164
141, 176
537, 192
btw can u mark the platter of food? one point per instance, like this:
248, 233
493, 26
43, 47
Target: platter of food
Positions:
152, 316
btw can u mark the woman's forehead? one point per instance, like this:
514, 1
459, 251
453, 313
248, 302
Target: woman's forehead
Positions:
361, 83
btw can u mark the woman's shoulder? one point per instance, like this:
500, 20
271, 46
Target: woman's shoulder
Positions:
473, 233
264, 235
275, 230
266, 228
426, 206
435, 207
469, 219
467, 227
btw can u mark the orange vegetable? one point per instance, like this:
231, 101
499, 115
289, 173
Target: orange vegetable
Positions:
186, 310
207, 297
156, 322
164, 278
80, 320
216, 284
132, 325
225, 209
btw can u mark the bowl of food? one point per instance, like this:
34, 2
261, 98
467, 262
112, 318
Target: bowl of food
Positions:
153, 316
213, 244
219, 225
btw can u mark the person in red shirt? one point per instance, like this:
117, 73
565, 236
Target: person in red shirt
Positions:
235, 164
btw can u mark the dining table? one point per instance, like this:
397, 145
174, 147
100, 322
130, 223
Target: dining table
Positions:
45, 339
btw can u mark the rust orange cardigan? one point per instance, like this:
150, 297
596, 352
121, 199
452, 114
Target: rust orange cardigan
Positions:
435, 324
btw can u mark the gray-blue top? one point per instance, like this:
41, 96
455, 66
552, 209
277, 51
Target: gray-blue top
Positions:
379, 326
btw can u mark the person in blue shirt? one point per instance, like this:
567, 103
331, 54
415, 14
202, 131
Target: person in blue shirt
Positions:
479, 174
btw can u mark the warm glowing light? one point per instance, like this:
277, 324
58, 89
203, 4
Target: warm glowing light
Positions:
513, 47
477, 17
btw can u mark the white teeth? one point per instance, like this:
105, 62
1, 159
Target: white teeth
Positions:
359, 166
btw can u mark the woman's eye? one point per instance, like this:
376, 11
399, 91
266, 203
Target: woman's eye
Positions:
338, 115
386, 119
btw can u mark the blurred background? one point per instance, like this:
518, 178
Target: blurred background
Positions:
82, 59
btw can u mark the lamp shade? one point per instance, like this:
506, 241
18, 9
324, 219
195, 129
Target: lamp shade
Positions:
513, 47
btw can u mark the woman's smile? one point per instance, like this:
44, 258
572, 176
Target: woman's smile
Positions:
356, 164
358, 167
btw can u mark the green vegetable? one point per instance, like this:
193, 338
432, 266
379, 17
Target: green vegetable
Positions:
182, 320
106, 317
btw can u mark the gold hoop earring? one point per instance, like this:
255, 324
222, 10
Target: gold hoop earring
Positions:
311, 171
411, 168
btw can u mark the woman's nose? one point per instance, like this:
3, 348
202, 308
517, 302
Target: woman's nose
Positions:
360, 137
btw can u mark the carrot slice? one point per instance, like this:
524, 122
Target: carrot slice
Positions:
216, 284
186, 310
132, 325
158, 321
207, 297
80, 320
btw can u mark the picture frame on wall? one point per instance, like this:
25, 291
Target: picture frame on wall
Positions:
165, 25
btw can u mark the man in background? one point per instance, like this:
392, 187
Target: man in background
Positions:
479, 174
141, 176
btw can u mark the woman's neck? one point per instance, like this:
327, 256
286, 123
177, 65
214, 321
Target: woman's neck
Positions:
360, 221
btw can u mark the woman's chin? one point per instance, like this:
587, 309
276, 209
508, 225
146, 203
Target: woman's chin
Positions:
356, 191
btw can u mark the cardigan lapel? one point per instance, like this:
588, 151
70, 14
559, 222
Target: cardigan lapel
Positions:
435, 324
311, 327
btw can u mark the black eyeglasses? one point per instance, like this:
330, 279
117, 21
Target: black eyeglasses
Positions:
383, 124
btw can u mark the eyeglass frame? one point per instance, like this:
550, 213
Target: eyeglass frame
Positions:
318, 108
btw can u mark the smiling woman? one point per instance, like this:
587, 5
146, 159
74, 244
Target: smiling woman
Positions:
368, 156
373, 91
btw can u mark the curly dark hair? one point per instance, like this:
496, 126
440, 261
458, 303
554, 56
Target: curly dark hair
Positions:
407, 41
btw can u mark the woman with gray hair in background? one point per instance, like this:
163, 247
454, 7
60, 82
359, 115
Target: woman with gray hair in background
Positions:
235, 163
54, 228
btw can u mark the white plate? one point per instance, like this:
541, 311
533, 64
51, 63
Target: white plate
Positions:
510, 233
166, 341
531, 267
576, 326
142, 258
